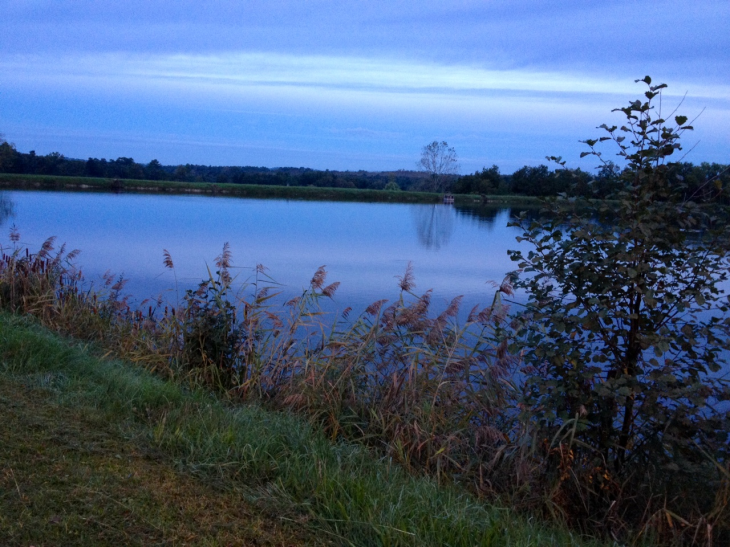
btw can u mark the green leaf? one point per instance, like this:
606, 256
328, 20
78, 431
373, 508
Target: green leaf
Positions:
681, 120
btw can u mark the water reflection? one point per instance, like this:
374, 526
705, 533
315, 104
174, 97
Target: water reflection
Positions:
434, 224
364, 245
7, 208
486, 216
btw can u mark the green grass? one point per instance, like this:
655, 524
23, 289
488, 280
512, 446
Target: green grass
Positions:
47, 182
274, 462
69, 476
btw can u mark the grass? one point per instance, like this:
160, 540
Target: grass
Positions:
69, 476
110, 453
48, 182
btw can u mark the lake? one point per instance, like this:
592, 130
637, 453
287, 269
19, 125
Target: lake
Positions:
454, 250
365, 246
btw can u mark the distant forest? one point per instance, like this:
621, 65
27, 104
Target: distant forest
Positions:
527, 181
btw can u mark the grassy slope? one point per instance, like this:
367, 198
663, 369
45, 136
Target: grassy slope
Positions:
43, 182
69, 476
95, 451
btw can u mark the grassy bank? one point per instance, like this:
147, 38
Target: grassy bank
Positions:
68, 476
113, 452
43, 182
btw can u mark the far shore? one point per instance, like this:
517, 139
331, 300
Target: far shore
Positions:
88, 184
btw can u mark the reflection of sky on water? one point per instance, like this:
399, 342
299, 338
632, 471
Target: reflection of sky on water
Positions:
365, 246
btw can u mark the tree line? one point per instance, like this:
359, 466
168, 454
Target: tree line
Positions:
56, 164
537, 181
610, 179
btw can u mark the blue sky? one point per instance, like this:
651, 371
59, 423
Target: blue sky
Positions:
352, 85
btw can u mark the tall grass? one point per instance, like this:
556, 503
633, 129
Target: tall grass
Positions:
435, 395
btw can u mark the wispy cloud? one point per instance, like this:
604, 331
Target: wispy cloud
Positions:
247, 70
335, 111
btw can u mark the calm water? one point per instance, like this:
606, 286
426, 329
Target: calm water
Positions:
365, 246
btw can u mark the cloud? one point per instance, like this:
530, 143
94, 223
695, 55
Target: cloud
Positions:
245, 70
321, 111
672, 37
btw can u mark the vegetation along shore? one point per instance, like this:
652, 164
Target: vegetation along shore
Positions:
86, 184
98, 452
600, 406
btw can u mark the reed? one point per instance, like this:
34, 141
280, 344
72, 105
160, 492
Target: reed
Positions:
438, 396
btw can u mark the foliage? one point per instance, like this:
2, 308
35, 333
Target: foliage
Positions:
29, 281
210, 335
540, 181
392, 186
532, 181
624, 333
487, 181
430, 391
123, 168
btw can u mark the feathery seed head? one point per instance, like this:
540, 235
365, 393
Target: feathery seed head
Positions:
407, 281
167, 259
319, 277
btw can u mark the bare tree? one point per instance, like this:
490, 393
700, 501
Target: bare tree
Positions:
441, 162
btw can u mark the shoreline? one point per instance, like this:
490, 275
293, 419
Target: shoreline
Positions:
87, 184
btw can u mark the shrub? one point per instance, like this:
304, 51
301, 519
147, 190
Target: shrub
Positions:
623, 334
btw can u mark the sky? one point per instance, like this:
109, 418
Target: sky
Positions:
351, 85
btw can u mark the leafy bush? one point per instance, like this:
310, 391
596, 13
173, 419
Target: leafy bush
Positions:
624, 334
211, 337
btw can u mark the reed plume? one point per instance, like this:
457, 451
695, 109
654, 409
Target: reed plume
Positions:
167, 259
407, 281
318, 278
